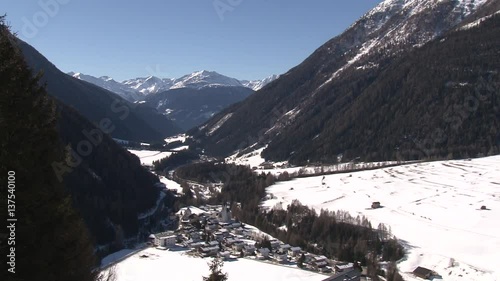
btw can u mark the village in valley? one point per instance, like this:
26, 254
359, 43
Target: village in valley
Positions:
211, 231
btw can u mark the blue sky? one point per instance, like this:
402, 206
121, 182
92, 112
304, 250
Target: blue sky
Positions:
245, 39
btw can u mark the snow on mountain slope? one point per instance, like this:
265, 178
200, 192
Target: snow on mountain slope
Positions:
397, 24
259, 84
136, 89
109, 84
149, 85
334, 83
478, 21
205, 78
434, 208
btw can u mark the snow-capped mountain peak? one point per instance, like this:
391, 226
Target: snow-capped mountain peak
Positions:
109, 84
259, 84
136, 89
204, 78
395, 25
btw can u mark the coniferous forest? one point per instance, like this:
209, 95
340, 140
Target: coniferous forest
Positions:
52, 241
334, 233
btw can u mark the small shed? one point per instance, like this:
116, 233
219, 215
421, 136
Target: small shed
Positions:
294, 251
263, 253
422, 272
376, 205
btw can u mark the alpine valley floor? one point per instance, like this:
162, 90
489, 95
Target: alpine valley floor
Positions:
434, 208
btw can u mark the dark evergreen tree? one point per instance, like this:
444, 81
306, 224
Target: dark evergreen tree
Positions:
52, 242
216, 273
302, 259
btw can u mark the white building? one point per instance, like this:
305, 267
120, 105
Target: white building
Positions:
280, 257
294, 251
249, 250
224, 255
165, 239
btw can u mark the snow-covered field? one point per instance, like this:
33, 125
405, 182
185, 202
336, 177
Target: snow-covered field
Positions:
433, 207
158, 265
170, 184
181, 138
253, 159
148, 156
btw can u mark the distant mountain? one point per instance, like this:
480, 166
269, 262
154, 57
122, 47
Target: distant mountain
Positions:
130, 121
202, 79
148, 85
137, 89
388, 87
109, 84
190, 107
259, 84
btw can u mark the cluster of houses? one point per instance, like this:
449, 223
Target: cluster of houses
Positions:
210, 231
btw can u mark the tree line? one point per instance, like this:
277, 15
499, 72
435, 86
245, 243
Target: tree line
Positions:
334, 234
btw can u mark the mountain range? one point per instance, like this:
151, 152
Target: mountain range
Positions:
139, 88
135, 122
399, 83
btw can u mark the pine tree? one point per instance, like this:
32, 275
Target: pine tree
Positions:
216, 271
51, 239
302, 259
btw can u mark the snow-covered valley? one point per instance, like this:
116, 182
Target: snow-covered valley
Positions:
434, 208
155, 265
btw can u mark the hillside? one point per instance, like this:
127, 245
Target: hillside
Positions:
190, 107
109, 186
41, 223
400, 83
132, 122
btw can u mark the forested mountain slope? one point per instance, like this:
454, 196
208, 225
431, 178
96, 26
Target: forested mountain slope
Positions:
393, 85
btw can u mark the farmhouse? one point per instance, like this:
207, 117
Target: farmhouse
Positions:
285, 247
263, 253
238, 246
213, 243
196, 245
318, 262
280, 257
249, 250
266, 165
348, 275
209, 251
275, 244
342, 267
422, 272
224, 255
